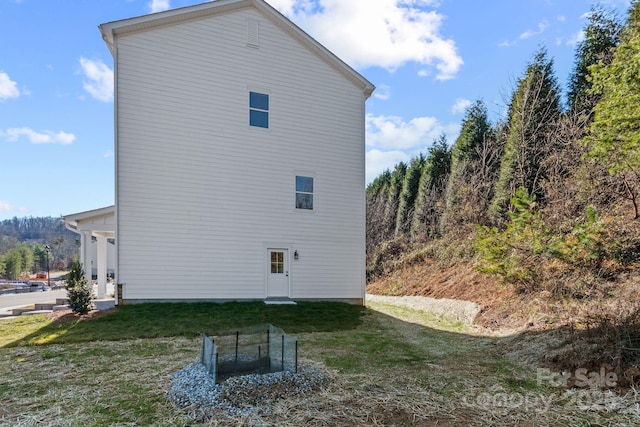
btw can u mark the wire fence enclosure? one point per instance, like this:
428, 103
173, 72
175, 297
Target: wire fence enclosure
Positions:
259, 349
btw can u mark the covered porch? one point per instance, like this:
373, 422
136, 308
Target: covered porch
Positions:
101, 225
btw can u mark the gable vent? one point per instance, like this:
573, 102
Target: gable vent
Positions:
252, 33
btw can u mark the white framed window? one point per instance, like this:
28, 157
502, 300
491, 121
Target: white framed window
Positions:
304, 192
259, 110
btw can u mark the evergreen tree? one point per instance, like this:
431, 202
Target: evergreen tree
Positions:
376, 199
78, 290
614, 135
393, 197
533, 115
408, 195
474, 161
601, 35
429, 203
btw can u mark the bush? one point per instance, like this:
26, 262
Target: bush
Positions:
529, 251
78, 290
517, 253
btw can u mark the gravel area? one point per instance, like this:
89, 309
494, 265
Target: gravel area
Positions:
194, 391
462, 311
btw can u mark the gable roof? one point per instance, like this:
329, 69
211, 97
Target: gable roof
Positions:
170, 17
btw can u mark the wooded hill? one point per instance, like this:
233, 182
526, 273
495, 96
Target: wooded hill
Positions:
535, 217
22, 246
546, 187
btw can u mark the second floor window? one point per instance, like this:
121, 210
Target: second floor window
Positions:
304, 192
259, 110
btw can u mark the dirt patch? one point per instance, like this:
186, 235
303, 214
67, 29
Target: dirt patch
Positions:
67, 316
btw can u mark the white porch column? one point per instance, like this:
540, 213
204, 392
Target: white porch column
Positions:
85, 254
102, 265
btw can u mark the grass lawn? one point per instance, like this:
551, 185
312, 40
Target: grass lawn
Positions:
389, 366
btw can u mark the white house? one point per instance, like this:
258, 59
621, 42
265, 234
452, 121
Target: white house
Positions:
240, 155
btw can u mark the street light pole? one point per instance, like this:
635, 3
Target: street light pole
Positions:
47, 248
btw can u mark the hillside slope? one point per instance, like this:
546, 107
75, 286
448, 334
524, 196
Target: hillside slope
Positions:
501, 305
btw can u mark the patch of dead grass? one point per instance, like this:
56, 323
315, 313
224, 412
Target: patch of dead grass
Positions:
459, 379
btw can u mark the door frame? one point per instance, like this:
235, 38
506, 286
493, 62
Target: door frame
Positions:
267, 267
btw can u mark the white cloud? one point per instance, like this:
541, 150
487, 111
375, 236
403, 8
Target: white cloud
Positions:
378, 161
391, 132
576, 38
460, 105
44, 137
391, 140
383, 92
107, 154
158, 5
561, 18
99, 79
542, 26
5, 206
8, 88
382, 33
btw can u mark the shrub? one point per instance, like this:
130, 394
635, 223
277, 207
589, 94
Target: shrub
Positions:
516, 253
78, 290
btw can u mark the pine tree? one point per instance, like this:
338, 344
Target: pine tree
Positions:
429, 201
393, 197
408, 195
534, 112
376, 198
474, 161
614, 135
78, 291
601, 35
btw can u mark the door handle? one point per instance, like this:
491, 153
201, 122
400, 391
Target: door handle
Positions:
286, 273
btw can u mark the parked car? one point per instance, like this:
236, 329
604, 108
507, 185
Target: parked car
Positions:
40, 286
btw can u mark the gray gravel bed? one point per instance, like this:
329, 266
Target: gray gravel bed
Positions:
195, 392
462, 311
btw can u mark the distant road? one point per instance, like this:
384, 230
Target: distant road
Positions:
18, 300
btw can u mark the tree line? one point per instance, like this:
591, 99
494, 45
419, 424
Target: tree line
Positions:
23, 241
548, 182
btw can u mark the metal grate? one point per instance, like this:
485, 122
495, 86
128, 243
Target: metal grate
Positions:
259, 349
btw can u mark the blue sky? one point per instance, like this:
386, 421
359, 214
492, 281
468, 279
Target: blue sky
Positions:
428, 58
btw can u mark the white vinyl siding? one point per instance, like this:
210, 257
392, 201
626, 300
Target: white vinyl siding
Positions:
199, 192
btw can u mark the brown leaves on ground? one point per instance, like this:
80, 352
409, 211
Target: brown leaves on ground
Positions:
67, 316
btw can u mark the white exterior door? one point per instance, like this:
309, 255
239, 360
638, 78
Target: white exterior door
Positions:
277, 273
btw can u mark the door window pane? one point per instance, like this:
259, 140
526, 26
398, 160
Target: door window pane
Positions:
277, 262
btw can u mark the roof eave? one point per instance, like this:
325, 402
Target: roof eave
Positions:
89, 214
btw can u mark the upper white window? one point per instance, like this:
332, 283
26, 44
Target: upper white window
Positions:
259, 110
